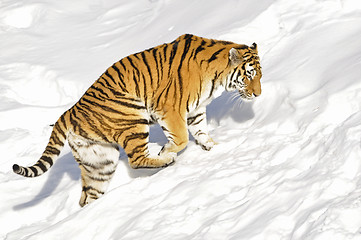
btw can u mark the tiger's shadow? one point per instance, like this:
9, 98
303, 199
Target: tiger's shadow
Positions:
229, 105
220, 108
65, 165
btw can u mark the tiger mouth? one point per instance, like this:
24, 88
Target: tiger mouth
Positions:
245, 95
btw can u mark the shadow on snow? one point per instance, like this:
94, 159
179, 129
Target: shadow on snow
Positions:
64, 165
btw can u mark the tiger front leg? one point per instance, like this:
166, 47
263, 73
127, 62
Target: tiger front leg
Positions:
197, 126
175, 129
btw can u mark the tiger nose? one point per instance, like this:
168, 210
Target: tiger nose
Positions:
255, 95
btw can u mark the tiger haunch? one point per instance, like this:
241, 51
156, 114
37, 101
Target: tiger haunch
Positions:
170, 84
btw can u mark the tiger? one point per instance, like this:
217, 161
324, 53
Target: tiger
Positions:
170, 84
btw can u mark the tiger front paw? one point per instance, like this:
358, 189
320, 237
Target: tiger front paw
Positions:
167, 158
207, 145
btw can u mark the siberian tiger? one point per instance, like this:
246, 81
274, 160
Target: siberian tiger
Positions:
170, 84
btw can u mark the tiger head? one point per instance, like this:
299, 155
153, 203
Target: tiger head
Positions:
245, 74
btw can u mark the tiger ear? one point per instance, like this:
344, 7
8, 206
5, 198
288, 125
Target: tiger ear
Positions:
235, 57
254, 47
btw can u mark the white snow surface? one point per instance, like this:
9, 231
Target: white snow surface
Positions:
287, 165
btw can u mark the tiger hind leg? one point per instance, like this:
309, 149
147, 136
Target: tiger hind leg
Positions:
97, 163
135, 143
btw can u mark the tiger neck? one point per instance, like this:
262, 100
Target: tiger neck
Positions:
213, 90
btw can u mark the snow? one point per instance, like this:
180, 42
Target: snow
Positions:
287, 166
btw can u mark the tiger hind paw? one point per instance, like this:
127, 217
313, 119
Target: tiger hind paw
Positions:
154, 162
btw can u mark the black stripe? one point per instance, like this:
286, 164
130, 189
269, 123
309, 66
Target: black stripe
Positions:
136, 56
196, 123
118, 94
121, 63
165, 51
86, 189
198, 98
214, 55
97, 104
188, 103
213, 84
106, 162
111, 172
76, 122
225, 42
26, 172
42, 166
106, 81
128, 127
213, 87
185, 51
137, 158
73, 122
136, 121
241, 47
199, 132
213, 42
34, 170
175, 92
148, 68
161, 65
59, 130
168, 88
52, 150
154, 52
191, 120
233, 74
121, 83
56, 140
137, 92
134, 136
145, 91
155, 106
110, 76
115, 92
172, 55
98, 179
47, 159
188, 36
191, 57
132, 64
160, 95
199, 49
90, 165
139, 149
120, 75
62, 119
102, 83
97, 90
238, 74
130, 105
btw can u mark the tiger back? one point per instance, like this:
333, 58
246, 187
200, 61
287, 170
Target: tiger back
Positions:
170, 84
